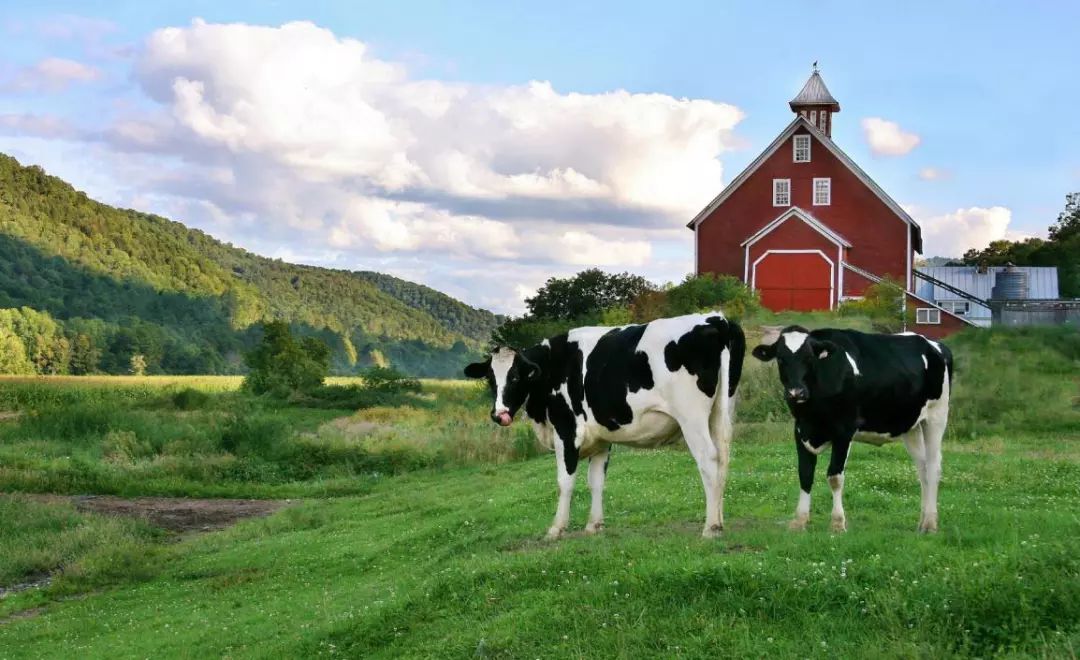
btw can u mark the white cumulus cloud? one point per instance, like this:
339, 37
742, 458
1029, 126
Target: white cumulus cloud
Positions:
886, 138
293, 136
952, 234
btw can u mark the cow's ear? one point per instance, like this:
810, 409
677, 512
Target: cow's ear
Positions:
530, 371
764, 352
478, 369
823, 348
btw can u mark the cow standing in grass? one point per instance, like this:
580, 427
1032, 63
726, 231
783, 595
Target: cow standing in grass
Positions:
844, 385
640, 385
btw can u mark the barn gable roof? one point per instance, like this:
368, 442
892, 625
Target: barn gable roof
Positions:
796, 212
800, 121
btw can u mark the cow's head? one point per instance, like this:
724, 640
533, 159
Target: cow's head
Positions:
510, 376
808, 366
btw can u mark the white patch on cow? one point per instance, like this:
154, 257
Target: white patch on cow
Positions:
803, 508
823, 354
501, 361
933, 343
794, 339
925, 364
854, 367
816, 451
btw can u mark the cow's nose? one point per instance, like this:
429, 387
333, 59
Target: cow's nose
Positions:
502, 418
797, 394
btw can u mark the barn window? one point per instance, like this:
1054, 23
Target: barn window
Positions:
822, 192
822, 119
781, 192
802, 149
813, 117
927, 316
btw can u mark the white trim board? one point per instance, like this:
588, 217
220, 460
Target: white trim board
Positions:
810, 220
831, 146
832, 270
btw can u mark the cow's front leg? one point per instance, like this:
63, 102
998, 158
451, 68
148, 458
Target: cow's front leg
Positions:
566, 460
807, 464
597, 473
837, 461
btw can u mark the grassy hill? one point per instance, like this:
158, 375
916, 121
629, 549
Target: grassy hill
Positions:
131, 282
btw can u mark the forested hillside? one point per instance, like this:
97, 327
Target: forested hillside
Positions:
85, 287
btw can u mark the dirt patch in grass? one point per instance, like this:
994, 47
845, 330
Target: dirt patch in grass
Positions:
9, 415
176, 514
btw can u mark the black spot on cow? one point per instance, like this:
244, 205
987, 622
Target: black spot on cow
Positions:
614, 368
698, 351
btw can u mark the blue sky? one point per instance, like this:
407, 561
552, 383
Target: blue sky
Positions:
983, 88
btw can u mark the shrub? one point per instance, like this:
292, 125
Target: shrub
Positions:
190, 398
388, 379
883, 303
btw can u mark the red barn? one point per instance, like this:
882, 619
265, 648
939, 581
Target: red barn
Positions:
807, 228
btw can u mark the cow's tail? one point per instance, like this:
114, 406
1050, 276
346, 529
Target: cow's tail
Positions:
731, 363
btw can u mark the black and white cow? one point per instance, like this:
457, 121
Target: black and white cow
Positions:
844, 385
639, 385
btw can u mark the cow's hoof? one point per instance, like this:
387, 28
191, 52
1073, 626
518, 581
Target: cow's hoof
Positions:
554, 533
712, 531
798, 524
839, 525
594, 528
928, 526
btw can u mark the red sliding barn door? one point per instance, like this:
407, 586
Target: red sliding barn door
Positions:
794, 280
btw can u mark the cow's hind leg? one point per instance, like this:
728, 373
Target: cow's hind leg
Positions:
597, 473
933, 430
708, 458
915, 442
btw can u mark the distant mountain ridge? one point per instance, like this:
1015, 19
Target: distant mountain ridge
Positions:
133, 282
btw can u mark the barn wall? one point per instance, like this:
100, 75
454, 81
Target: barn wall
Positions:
879, 238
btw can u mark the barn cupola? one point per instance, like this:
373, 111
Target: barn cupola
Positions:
816, 103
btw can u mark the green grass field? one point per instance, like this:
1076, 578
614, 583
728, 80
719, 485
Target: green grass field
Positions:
419, 530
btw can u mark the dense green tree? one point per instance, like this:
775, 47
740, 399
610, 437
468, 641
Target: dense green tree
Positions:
282, 365
588, 292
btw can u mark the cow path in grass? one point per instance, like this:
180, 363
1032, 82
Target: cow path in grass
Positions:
181, 515
176, 514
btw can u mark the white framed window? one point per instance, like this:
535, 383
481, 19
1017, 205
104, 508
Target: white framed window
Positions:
927, 316
781, 192
822, 192
813, 117
822, 120
801, 149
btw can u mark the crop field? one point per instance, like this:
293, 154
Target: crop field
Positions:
413, 528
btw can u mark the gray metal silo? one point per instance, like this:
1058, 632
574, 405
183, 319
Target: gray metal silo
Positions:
1010, 284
